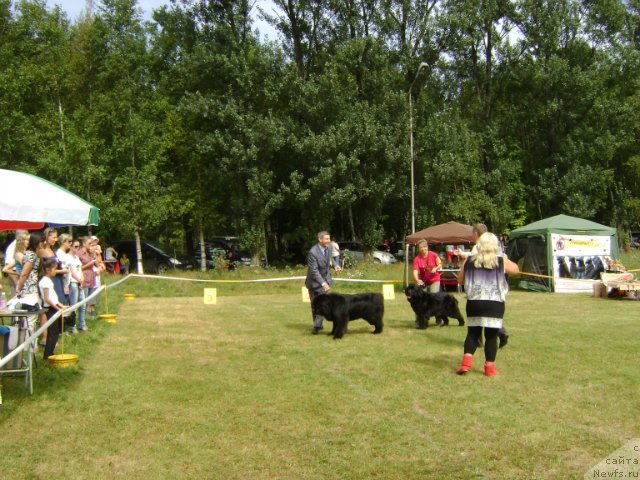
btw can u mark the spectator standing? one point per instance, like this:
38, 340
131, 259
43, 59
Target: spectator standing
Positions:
335, 254
76, 292
27, 286
98, 268
88, 262
483, 276
51, 239
9, 257
13, 268
51, 302
63, 257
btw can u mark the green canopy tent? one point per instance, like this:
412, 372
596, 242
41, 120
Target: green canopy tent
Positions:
568, 252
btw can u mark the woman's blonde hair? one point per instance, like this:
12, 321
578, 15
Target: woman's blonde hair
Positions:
488, 248
63, 238
20, 238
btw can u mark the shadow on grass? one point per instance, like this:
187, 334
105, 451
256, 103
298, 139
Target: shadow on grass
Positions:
306, 328
58, 382
442, 361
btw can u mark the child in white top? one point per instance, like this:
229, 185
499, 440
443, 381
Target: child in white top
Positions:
51, 302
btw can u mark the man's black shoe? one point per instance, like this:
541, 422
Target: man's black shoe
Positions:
316, 330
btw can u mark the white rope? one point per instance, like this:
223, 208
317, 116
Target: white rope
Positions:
282, 279
49, 322
76, 306
258, 280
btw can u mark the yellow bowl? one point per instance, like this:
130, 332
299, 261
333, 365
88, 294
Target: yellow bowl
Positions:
108, 317
130, 296
63, 359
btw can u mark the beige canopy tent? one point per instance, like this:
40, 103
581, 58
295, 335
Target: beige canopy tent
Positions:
450, 232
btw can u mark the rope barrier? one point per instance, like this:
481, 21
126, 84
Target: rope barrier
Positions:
162, 277
78, 305
34, 336
261, 280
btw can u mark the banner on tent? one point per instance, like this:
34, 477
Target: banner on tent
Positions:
578, 257
580, 245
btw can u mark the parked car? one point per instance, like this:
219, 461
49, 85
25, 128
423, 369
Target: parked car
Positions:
221, 246
154, 260
395, 248
358, 253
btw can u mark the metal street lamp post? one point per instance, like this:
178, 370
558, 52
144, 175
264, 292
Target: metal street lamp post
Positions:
413, 187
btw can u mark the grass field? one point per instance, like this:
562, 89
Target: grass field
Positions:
241, 390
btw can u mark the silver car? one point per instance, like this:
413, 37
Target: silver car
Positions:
355, 249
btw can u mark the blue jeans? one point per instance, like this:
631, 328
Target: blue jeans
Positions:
76, 294
86, 291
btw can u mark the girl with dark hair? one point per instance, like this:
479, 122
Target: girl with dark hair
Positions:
28, 281
51, 302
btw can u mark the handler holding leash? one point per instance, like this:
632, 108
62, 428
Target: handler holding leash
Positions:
427, 267
319, 279
483, 276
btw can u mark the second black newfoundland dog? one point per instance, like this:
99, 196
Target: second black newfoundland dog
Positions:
340, 309
425, 304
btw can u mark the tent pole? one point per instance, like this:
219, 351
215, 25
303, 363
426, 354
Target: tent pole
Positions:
406, 264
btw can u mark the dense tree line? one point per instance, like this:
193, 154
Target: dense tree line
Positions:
189, 126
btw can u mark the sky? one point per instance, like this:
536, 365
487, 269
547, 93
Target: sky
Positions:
73, 8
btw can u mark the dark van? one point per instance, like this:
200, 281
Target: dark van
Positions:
154, 260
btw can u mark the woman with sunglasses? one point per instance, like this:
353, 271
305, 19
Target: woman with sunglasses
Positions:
76, 292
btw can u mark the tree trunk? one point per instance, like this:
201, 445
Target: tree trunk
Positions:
203, 251
61, 123
352, 225
293, 13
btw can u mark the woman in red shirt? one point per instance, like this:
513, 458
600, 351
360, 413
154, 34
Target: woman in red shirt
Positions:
426, 267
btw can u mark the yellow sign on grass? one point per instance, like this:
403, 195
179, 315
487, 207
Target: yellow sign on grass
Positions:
305, 295
388, 292
210, 296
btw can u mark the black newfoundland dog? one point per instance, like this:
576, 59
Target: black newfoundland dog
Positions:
425, 304
340, 309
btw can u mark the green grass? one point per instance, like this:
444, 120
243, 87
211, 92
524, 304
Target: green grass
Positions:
241, 390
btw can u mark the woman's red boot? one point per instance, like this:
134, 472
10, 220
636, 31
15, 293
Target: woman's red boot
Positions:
467, 361
490, 369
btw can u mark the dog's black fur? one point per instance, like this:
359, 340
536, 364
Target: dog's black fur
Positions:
340, 309
425, 305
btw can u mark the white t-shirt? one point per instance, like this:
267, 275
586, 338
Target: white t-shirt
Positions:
75, 265
65, 259
9, 253
110, 253
46, 282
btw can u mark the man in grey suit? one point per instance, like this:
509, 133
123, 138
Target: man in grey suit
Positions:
319, 279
